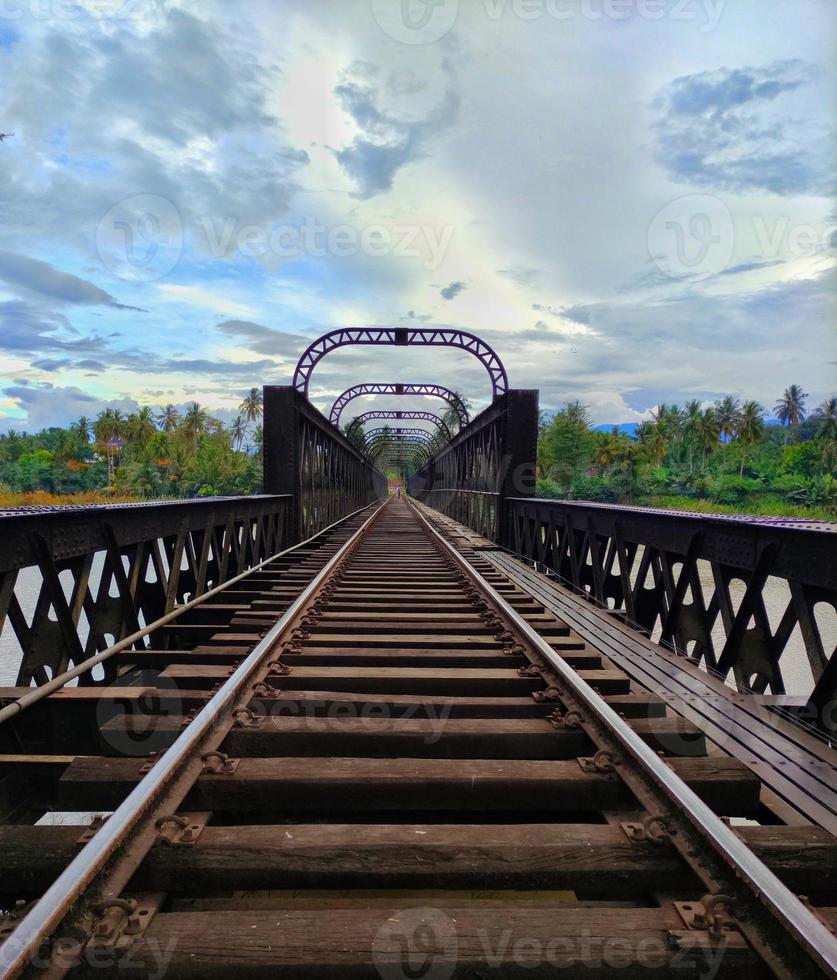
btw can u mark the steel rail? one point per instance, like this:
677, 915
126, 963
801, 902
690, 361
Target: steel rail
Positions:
41, 922
61, 680
809, 932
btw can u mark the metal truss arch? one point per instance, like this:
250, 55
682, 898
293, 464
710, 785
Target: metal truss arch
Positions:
381, 415
401, 337
399, 388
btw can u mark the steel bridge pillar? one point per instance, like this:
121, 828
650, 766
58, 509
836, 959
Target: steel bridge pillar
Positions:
280, 451
519, 440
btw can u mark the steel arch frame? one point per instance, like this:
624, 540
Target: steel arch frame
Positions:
401, 337
386, 431
399, 388
421, 447
436, 420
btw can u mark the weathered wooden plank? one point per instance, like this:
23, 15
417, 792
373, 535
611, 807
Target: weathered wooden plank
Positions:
400, 680
378, 735
586, 858
453, 939
421, 784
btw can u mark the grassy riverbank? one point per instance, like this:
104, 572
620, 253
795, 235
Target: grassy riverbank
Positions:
760, 506
40, 498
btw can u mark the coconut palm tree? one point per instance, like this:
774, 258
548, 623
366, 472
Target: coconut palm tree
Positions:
140, 426
108, 429
749, 428
258, 441
608, 448
790, 409
727, 411
451, 416
354, 433
826, 419
251, 407
238, 430
83, 427
653, 437
195, 420
692, 415
709, 432
167, 418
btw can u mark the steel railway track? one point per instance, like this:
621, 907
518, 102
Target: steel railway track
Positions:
375, 760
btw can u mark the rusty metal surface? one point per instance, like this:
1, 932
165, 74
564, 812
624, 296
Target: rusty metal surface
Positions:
648, 563
343, 626
152, 557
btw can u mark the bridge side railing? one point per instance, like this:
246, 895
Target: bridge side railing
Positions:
728, 593
309, 458
489, 460
75, 580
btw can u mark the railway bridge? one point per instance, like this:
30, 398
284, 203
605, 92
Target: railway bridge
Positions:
469, 733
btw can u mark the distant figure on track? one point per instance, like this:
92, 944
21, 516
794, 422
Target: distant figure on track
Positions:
398, 491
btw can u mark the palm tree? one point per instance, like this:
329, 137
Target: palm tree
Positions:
108, 430
195, 419
354, 433
750, 428
708, 432
251, 407
826, 419
167, 418
608, 448
451, 416
790, 409
238, 431
692, 415
652, 436
727, 410
258, 441
83, 427
140, 426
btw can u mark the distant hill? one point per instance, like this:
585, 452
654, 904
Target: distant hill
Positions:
628, 427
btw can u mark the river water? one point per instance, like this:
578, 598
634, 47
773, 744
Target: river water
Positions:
795, 667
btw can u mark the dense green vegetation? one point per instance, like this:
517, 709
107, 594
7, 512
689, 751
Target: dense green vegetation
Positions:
719, 458
168, 454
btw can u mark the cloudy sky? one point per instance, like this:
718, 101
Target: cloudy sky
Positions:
631, 200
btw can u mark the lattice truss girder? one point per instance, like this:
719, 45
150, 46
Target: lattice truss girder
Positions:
398, 388
334, 479
415, 416
663, 592
401, 337
87, 602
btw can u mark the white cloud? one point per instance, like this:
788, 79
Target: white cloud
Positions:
206, 299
